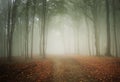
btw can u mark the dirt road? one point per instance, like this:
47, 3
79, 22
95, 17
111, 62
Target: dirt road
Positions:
68, 70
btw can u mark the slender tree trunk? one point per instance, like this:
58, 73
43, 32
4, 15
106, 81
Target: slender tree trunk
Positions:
78, 40
4, 45
95, 23
10, 48
34, 11
27, 26
12, 7
96, 39
108, 51
88, 35
75, 48
32, 40
114, 25
8, 28
43, 26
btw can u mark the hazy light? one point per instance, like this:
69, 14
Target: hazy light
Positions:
47, 0
37, 19
62, 37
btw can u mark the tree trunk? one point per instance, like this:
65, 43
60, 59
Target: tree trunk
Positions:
96, 38
108, 49
10, 47
43, 26
88, 35
114, 26
12, 7
34, 11
27, 26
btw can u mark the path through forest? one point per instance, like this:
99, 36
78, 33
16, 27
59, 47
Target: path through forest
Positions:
62, 69
69, 70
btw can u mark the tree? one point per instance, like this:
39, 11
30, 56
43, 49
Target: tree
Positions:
114, 25
12, 10
43, 26
34, 12
108, 51
93, 6
27, 29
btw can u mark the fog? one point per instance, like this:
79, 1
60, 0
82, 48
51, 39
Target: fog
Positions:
59, 27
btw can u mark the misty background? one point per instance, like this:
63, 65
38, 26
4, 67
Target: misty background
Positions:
59, 27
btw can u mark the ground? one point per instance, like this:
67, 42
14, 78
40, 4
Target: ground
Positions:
62, 69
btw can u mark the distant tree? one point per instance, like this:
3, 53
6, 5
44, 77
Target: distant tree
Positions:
93, 6
27, 29
43, 26
34, 12
114, 25
108, 51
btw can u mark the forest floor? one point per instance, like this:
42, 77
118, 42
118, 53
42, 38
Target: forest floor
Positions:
62, 69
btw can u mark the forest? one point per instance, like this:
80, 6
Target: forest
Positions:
59, 40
